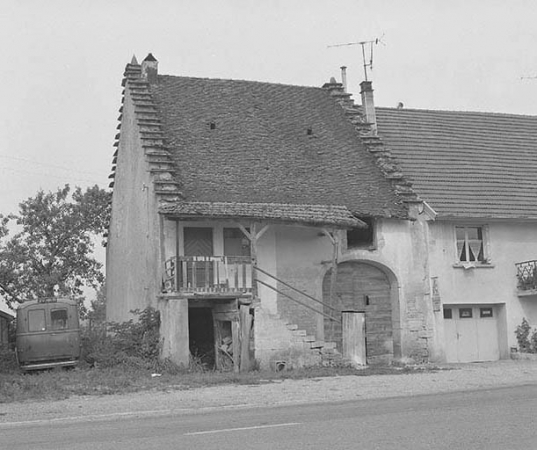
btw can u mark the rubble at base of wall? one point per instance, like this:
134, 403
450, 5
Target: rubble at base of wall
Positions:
524, 356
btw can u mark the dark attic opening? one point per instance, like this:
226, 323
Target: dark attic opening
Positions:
362, 237
201, 336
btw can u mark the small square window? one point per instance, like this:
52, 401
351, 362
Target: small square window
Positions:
58, 318
465, 313
36, 320
361, 237
485, 312
448, 313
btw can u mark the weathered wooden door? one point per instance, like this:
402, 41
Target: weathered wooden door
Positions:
363, 287
198, 241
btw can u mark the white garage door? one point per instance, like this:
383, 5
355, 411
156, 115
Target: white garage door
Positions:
471, 333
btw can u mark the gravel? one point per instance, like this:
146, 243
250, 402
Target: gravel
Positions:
448, 378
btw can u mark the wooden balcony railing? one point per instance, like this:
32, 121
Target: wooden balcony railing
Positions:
526, 273
208, 274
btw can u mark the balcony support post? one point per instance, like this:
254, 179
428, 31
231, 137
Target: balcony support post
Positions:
253, 235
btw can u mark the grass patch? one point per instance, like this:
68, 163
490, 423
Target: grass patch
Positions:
121, 358
60, 384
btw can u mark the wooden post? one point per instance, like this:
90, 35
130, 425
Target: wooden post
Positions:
217, 342
353, 328
253, 255
184, 268
334, 238
235, 336
333, 275
245, 326
253, 235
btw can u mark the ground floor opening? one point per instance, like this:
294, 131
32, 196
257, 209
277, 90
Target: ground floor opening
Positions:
220, 331
361, 286
472, 332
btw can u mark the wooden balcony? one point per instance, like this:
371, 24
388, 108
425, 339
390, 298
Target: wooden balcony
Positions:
208, 275
526, 273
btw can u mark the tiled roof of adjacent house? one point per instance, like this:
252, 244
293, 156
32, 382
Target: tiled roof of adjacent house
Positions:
311, 214
249, 142
466, 164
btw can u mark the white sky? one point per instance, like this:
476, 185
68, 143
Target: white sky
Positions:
63, 60
62, 64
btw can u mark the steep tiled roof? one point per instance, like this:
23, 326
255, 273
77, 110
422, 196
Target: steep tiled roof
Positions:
250, 142
466, 164
311, 214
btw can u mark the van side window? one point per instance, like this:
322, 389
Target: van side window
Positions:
58, 319
36, 320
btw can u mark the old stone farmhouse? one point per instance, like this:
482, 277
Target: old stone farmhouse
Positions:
261, 218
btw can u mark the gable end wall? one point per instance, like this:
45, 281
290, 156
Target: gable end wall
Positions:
132, 268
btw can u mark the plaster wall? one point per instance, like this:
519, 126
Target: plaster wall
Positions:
174, 329
132, 269
401, 251
301, 256
304, 256
494, 283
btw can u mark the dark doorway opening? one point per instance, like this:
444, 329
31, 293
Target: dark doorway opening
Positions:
201, 332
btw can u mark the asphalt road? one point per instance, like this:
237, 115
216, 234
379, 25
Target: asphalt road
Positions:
503, 418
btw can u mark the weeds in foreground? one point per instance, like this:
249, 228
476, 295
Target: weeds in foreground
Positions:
120, 358
60, 384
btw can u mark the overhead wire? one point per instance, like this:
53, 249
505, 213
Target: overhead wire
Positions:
39, 163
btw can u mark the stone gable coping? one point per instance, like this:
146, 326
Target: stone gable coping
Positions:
373, 144
161, 168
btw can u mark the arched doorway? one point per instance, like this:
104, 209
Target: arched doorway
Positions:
363, 287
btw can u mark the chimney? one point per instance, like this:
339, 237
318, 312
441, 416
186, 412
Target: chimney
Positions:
344, 78
150, 69
368, 104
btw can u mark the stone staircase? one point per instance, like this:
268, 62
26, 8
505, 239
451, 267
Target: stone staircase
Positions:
282, 345
326, 352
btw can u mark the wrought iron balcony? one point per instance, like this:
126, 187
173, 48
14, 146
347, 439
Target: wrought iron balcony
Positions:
526, 273
208, 275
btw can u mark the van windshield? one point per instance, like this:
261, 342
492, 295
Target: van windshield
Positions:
36, 320
58, 319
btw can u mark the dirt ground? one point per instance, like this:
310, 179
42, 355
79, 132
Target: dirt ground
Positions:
340, 388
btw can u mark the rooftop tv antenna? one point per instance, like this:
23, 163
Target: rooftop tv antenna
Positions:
367, 50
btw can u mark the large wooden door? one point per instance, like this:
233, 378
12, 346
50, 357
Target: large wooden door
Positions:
362, 287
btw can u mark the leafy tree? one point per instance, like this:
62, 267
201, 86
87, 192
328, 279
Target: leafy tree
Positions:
96, 314
51, 251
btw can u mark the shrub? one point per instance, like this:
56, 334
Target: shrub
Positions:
8, 359
522, 336
133, 344
533, 342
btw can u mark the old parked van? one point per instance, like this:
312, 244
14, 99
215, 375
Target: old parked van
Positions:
48, 334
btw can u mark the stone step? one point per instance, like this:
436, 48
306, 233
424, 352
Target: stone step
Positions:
317, 344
